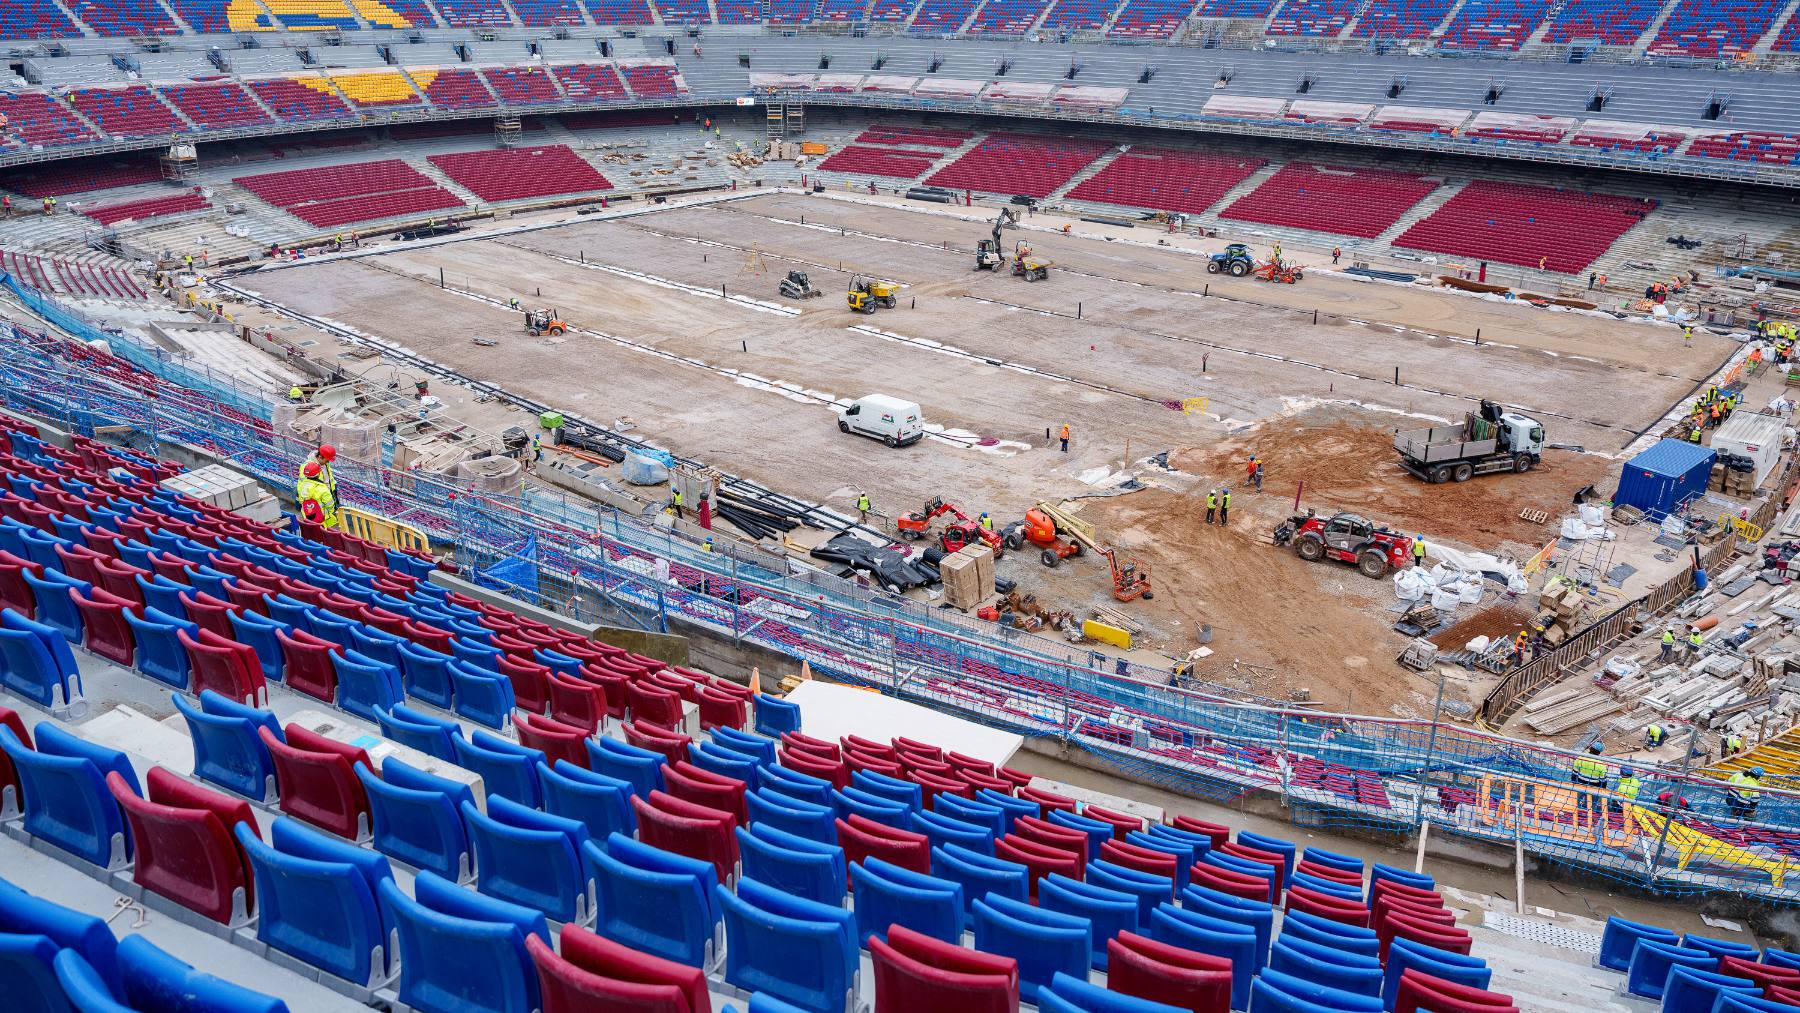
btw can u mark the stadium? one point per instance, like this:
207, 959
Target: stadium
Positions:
1126, 506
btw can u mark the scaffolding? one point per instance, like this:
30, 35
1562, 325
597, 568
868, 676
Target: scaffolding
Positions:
509, 131
179, 162
776, 119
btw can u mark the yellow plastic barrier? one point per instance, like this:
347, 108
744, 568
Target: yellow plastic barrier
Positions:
1745, 529
1689, 844
1106, 634
382, 530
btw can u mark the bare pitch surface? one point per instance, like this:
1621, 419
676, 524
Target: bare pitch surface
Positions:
1118, 334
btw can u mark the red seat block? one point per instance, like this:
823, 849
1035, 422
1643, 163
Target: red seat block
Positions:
1143, 967
594, 973
185, 850
861, 838
557, 740
915, 973
316, 781
686, 828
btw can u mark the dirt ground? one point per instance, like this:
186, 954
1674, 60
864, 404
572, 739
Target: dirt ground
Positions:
676, 325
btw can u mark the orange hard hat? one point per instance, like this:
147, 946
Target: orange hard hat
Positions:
311, 470
327, 452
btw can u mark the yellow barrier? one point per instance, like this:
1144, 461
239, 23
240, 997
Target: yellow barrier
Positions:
1538, 562
382, 530
1106, 634
1745, 529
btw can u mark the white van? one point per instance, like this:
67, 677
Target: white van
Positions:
888, 419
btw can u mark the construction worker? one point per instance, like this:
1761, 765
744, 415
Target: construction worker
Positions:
1742, 792
187, 263
1063, 434
1588, 769
707, 546
1224, 507
1654, 735
1256, 476
1336, 252
6, 205
296, 394
1629, 786
675, 501
1687, 335
49, 205
1277, 253
1518, 647
862, 508
1693, 432
537, 447
1669, 798
1418, 551
1733, 745
1250, 470
1668, 643
1694, 642
513, 303
325, 455
1212, 504
987, 522
311, 489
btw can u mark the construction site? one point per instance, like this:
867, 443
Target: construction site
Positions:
726, 332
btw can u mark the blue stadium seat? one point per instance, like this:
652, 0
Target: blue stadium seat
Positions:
1693, 990
421, 828
1279, 992
321, 913
1200, 842
1043, 942
35, 659
1272, 845
54, 606
300, 839
602, 804
940, 829
1255, 915
792, 815
888, 895
993, 818
461, 952
1652, 961
1098, 832
1109, 912
479, 695
980, 874
1013, 808
82, 985
211, 581
1348, 938
295, 615
163, 594
846, 801
160, 653
1720, 947
156, 982
366, 687
1243, 866
27, 966
430, 735
332, 627
1147, 888
1620, 938
477, 655
795, 784
774, 716
23, 914
802, 866
506, 768
796, 950
1404, 877
425, 674
1329, 887
1324, 965
529, 858
66, 799
1331, 859
1204, 934
1185, 853
653, 900
227, 750
725, 762
640, 768
259, 632
377, 645
1077, 995
892, 789
750, 745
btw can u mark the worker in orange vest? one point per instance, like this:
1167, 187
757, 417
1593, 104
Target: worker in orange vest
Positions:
1063, 435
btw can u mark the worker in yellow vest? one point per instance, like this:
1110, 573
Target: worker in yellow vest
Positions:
317, 504
1742, 792
1629, 785
1654, 735
862, 507
1588, 769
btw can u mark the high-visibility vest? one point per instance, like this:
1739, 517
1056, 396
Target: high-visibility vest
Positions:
1669, 637
1628, 787
1744, 786
1590, 769
987, 523
1695, 640
295, 393
1212, 501
1225, 502
678, 497
1065, 432
1418, 548
1734, 744
862, 503
313, 490
1655, 734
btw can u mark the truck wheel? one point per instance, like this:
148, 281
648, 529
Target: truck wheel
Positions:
843, 427
890, 441
1014, 539
1212, 267
1239, 269
1310, 549
911, 535
1464, 472
1372, 564
1050, 558
1440, 474
1523, 463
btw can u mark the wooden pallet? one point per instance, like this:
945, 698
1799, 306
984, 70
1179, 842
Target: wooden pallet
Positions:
1534, 515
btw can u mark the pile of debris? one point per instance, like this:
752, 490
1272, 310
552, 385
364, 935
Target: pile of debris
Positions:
1562, 610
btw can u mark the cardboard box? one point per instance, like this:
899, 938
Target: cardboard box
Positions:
984, 566
962, 587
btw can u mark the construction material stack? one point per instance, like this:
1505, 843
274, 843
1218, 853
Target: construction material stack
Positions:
961, 574
1562, 609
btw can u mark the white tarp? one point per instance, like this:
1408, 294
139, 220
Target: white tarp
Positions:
1613, 130
1443, 119
1108, 98
1244, 107
1346, 113
1019, 91
1491, 567
1548, 126
889, 82
837, 82
948, 87
781, 82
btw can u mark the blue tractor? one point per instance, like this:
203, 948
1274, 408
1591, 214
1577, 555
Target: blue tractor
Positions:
1235, 261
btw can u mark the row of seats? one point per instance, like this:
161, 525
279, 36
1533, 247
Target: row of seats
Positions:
942, 15
1715, 28
72, 277
1324, 18
1404, 20
1344, 201
1609, 22
369, 89
1150, 19
1166, 179
517, 173
1698, 973
152, 207
35, 119
546, 13
453, 89
83, 175
294, 102
1494, 24
123, 18
1563, 230
913, 137
653, 81
1749, 146
1007, 17
1025, 164
344, 194
587, 82
36, 19
1079, 15
868, 161
131, 111
518, 86
218, 105
1651, 142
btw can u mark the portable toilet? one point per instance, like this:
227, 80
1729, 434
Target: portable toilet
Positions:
1665, 476
1749, 434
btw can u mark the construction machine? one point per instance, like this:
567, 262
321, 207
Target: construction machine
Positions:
1489, 441
544, 322
866, 295
989, 254
1130, 579
1346, 538
1280, 272
1235, 261
1028, 265
960, 532
798, 286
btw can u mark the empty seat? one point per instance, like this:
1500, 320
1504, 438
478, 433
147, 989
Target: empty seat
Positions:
307, 663
595, 973
425, 674
1140, 966
775, 715
577, 703
1041, 859
1108, 912
557, 741
889, 895
600, 803
102, 619
224, 666
1147, 889
462, 951
1417, 991
1203, 934
430, 735
182, 835
316, 782
684, 828
980, 875
1326, 965
480, 695
652, 900
23, 915
641, 768
914, 971
228, 751
35, 661
796, 950
1043, 942
719, 759
156, 982
506, 768
67, 802
701, 787
1620, 938
322, 913
423, 828
160, 654
366, 687
656, 738
528, 858
54, 607
864, 838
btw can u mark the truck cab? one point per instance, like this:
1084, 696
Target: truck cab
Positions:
1521, 435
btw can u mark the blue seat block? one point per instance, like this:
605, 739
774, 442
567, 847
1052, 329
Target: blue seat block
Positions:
652, 900
421, 828
751, 744
35, 659
1147, 888
1012, 807
66, 800
640, 768
430, 735
259, 632
294, 837
892, 789
1280, 992
802, 866
529, 858
67, 929
802, 819
1254, 915
794, 784
944, 830
774, 716
888, 895
366, 687
717, 759
319, 912
980, 874
1043, 942
1620, 938
28, 967
1272, 845
1108, 911
601, 804
993, 818
795, 950
1651, 962
425, 674
482, 696
55, 608
846, 801
452, 963
1068, 994
1204, 934
1692, 990
1327, 966
506, 768
227, 751
156, 982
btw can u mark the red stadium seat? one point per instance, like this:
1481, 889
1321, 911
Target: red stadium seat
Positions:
557, 740
104, 630
316, 782
869, 747
1419, 991
306, 664
721, 710
1039, 859
1219, 834
530, 682
932, 786
1399, 926
653, 704
915, 973
120, 578
1330, 873
861, 838
1133, 856
703, 787
1299, 898
9, 775
808, 763
856, 759
15, 594
1143, 967
1047, 801
657, 739
210, 613
585, 977
697, 831
1051, 835
249, 597
796, 740
225, 666
184, 848
1258, 856
1237, 884
576, 703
